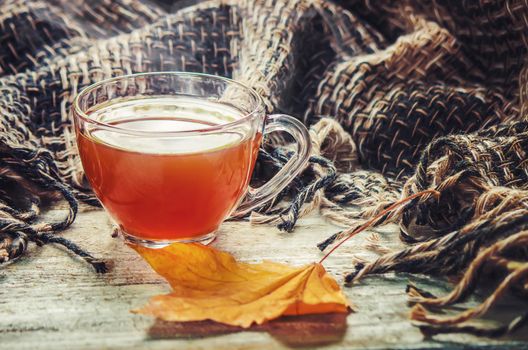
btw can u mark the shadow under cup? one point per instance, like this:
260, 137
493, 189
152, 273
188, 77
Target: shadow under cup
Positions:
170, 155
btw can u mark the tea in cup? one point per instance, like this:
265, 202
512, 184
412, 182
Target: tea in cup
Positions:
170, 154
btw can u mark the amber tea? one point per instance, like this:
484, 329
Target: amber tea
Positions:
164, 187
170, 154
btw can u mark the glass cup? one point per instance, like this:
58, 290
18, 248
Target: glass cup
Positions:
170, 154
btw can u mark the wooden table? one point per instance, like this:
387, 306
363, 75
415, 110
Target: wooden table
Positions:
50, 301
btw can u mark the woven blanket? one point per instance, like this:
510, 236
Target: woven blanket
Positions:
416, 111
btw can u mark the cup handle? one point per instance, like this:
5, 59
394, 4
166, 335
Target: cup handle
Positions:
258, 196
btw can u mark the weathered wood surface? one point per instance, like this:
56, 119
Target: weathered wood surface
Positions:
50, 301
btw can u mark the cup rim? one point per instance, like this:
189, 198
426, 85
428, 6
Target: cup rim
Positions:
82, 115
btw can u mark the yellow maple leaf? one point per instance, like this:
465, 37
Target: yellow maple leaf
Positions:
208, 284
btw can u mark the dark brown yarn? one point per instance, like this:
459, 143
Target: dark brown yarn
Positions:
478, 225
400, 97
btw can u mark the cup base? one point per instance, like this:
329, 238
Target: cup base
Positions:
156, 244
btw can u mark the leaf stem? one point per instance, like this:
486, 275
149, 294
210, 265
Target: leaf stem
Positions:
384, 212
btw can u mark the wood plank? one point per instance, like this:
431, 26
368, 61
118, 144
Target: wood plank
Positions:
49, 300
